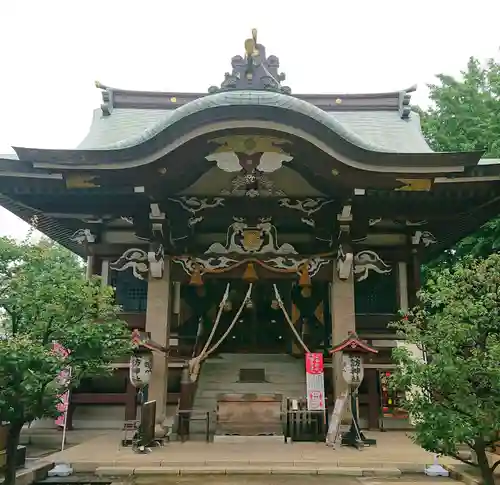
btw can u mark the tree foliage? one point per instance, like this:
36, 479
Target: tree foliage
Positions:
454, 397
465, 115
44, 298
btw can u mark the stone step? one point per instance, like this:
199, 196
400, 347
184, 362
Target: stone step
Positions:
295, 392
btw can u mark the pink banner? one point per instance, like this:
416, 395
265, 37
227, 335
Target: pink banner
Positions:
64, 375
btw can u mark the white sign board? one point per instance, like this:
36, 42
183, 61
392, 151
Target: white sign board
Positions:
333, 428
315, 382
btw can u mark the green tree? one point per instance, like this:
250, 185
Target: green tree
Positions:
45, 298
465, 115
454, 397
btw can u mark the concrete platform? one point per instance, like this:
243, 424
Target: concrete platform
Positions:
394, 454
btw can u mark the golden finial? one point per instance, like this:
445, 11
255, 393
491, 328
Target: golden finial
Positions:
251, 45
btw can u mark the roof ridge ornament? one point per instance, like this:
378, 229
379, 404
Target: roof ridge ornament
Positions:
405, 102
253, 72
107, 98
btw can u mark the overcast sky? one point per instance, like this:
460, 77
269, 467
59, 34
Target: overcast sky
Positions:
52, 51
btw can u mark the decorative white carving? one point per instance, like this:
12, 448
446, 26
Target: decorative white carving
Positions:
230, 162
308, 206
244, 239
194, 205
375, 221
367, 260
128, 220
93, 221
190, 264
314, 264
249, 152
428, 238
344, 263
134, 258
424, 237
83, 235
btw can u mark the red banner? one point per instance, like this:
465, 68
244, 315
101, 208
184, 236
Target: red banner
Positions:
314, 363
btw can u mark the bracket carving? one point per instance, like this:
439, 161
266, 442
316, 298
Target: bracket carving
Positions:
83, 235
135, 259
424, 237
142, 262
366, 261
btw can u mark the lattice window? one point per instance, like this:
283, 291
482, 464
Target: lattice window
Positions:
376, 294
131, 292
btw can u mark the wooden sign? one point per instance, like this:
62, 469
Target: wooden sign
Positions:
334, 431
148, 414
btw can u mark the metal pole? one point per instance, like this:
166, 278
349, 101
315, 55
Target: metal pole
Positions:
65, 423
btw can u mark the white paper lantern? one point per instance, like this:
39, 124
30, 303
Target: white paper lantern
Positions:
140, 369
352, 369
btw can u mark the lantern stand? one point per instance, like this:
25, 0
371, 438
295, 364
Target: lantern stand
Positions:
140, 375
353, 352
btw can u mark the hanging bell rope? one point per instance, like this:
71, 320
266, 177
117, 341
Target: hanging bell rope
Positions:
194, 362
235, 319
288, 319
199, 332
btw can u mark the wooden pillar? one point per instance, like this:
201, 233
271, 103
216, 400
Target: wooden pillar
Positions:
414, 279
402, 278
105, 274
371, 377
90, 267
158, 325
343, 321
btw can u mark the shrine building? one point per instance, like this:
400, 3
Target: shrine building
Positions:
301, 217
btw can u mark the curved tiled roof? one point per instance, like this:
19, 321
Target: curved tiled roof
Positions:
371, 130
383, 130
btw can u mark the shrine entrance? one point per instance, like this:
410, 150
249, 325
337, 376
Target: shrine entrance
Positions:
261, 326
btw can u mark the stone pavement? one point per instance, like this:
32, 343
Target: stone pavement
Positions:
393, 455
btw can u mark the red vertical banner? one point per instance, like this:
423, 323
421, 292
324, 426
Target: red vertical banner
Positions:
315, 381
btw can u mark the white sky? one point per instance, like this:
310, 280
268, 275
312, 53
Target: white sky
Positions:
52, 51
